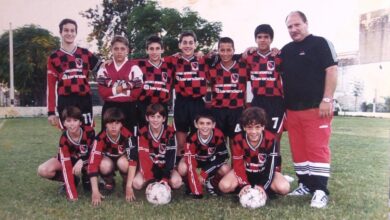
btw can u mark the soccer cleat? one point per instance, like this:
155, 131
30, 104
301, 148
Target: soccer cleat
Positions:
61, 190
210, 188
107, 186
319, 200
302, 190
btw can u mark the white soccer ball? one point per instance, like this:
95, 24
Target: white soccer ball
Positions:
158, 193
253, 198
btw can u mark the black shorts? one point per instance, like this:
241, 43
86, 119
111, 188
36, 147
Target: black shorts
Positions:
141, 112
210, 167
257, 178
84, 103
186, 109
227, 120
129, 109
274, 107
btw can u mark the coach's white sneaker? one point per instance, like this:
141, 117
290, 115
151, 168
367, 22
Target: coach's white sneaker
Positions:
319, 200
302, 190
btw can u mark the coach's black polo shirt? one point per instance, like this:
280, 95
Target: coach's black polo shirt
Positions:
304, 65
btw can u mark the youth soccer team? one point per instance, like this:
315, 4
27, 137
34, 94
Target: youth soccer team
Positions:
136, 139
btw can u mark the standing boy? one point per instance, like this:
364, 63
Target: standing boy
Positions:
228, 85
120, 82
190, 86
67, 76
266, 81
158, 78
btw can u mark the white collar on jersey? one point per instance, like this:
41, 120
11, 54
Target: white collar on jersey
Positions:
71, 53
228, 68
249, 143
206, 141
118, 67
156, 139
263, 55
156, 66
112, 140
75, 142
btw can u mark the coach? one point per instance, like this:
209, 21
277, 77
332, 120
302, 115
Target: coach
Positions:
310, 78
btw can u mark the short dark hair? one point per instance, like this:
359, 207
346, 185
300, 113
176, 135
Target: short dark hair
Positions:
253, 115
67, 21
301, 14
186, 34
264, 29
113, 114
120, 39
226, 40
206, 113
72, 112
156, 108
154, 39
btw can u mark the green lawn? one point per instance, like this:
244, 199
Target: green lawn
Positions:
359, 183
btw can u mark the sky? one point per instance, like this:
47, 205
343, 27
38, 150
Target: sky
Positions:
337, 20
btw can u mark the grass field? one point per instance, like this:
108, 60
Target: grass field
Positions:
359, 183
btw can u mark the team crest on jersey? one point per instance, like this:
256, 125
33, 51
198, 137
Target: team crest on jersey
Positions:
271, 65
194, 66
210, 150
121, 149
162, 149
83, 149
262, 158
234, 77
164, 76
79, 63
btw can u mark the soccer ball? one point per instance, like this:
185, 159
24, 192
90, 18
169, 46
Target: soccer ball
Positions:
158, 193
253, 198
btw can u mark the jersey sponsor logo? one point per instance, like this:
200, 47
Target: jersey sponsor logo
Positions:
79, 63
234, 77
194, 66
271, 65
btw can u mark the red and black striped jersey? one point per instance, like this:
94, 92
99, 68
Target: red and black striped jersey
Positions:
104, 145
190, 76
212, 151
69, 71
69, 150
158, 80
156, 152
111, 76
265, 74
259, 159
228, 85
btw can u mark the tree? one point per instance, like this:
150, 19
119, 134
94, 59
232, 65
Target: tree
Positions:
109, 20
357, 90
32, 46
144, 18
142, 23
